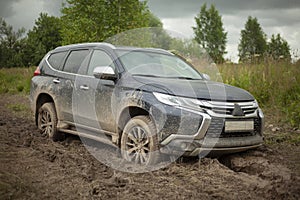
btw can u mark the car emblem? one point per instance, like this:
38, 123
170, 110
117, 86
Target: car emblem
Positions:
237, 111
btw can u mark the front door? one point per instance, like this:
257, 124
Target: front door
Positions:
94, 95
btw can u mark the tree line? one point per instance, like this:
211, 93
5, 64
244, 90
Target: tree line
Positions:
253, 46
97, 20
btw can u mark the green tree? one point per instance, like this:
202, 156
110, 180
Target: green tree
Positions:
44, 37
153, 21
253, 43
210, 34
278, 48
11, 45
96, 20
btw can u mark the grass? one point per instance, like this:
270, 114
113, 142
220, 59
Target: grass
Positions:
276, 86
15, 80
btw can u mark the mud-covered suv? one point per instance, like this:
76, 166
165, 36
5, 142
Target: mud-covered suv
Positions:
146, 101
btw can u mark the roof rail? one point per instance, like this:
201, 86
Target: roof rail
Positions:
87, 44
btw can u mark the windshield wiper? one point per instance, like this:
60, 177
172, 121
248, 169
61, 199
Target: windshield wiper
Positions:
148, 75
185, 78
170, 77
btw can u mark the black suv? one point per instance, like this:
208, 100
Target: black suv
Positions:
146, 101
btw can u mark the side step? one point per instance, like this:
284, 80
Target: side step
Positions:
99, 138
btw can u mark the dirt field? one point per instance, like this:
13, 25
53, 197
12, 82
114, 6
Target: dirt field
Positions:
33, 167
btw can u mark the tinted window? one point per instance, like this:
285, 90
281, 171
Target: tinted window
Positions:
56, 59
99, 58
75, 60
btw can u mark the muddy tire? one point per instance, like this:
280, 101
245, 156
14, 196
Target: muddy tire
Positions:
139, 143
47, 122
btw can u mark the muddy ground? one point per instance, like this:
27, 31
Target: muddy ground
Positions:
33, 167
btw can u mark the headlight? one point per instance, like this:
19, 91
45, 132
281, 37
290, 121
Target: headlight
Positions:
181, 102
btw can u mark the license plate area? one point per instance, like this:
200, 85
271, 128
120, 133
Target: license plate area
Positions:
239, 126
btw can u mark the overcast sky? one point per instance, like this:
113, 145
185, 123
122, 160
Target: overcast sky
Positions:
275, 16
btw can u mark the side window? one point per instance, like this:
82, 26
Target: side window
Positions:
99, 58
75, 60
56, 59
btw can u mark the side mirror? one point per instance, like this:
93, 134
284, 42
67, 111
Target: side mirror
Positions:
206, 77
105, 72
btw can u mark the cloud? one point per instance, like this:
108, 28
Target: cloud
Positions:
269, 12
23, 13
180, 8
185, 28
6, 8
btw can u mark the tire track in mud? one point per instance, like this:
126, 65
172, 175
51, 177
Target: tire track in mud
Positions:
33, 167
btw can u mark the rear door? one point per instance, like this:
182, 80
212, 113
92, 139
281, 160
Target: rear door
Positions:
54, 77
75, 63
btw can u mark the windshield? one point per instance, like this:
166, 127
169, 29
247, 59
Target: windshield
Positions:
144, 63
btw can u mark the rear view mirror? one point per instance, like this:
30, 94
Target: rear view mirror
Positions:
105, 72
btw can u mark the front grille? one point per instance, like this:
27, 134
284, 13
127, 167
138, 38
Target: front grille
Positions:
229, 111
248, 110
216, 129
227, 108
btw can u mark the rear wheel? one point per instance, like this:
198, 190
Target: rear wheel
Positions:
47, 122
139, 141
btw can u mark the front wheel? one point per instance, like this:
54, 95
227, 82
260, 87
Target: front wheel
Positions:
47, 122
139, 141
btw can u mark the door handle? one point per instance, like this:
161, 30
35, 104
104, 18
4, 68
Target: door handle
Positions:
56, 81
84, 87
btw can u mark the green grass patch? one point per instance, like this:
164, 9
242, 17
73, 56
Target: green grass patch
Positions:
276, 86
15, 80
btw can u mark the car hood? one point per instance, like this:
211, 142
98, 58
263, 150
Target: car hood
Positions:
200, 89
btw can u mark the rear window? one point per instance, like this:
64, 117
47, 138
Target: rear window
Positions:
75, 60
56, 59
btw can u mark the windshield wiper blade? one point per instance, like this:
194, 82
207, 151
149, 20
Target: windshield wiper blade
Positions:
170, 77
185, 78
148, 75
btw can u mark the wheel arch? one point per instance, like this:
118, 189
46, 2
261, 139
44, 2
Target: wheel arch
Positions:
42, 99
128, 113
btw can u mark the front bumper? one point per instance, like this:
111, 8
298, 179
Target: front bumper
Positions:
203, 142
212, 145
202, 151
